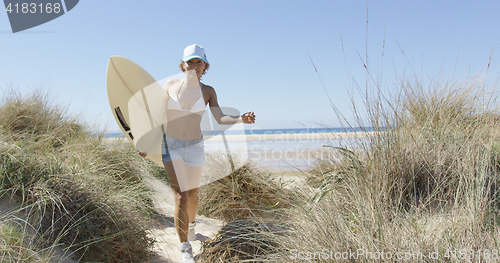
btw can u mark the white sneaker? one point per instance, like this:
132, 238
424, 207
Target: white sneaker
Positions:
186, 252
191, 233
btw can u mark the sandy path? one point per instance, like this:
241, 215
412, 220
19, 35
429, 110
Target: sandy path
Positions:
164, 231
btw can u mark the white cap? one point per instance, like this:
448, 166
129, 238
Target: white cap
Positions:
194, 51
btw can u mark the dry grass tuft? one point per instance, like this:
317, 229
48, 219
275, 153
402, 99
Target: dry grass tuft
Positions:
247, 192
247, 240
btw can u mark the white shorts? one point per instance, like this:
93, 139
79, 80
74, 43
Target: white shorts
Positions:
192, 152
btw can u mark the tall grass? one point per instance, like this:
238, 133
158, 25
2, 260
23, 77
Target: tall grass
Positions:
426, 182
251, 201
17, 245
82, 191
422, 187
244, 193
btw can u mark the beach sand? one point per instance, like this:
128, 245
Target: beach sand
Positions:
164, 230
289, 136
289, 157
269, 137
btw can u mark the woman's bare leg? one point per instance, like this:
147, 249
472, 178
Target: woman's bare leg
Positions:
193, 176
192, 204
181, 216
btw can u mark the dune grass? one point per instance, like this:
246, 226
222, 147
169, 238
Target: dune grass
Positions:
422, 187
425, 185
17, 245
251, 201
81, 190
244, 240
244, 193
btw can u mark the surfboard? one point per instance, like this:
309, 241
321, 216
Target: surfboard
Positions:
138, 103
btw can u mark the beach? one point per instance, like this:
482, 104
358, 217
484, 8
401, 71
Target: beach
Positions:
284, 151
289, 136
280, 152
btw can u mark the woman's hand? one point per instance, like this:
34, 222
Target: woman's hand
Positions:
248, 118
142, 154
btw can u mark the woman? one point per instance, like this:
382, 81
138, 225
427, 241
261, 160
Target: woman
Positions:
183, 149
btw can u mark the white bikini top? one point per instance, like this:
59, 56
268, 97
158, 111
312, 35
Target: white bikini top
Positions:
198, 107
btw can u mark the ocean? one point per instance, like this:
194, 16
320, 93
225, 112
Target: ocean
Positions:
279, 152
119, 134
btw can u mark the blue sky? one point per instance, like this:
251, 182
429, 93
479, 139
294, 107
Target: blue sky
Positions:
258, 50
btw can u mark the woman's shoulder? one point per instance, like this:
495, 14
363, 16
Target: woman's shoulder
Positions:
206, 87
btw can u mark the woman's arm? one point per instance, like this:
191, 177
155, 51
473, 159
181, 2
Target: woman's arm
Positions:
222, 118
